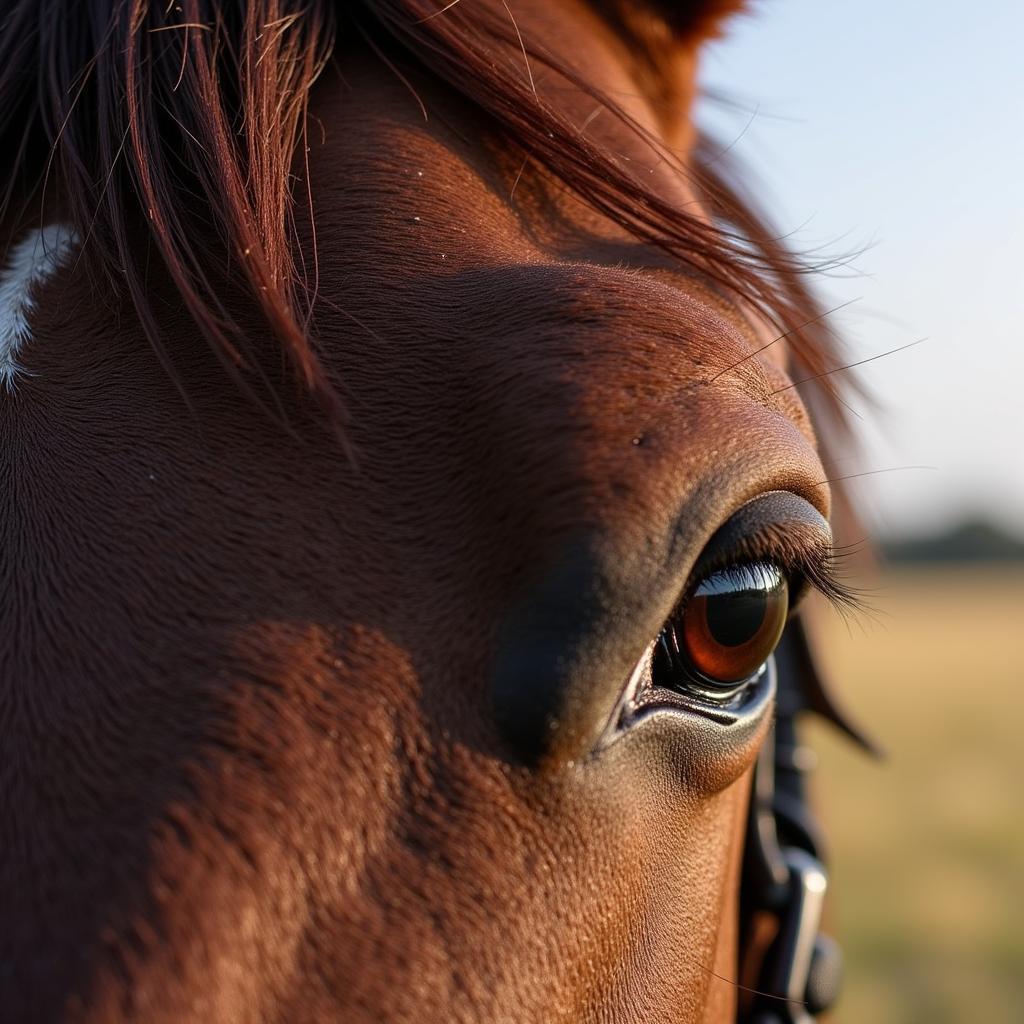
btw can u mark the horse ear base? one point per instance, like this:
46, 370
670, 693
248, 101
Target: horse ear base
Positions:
690, 21
699, 19
818, 693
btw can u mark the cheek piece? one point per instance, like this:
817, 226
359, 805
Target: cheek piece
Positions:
799, 975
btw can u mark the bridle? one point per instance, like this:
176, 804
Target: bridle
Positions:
784, 876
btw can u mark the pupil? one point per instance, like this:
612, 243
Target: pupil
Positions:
735, 618
729, 625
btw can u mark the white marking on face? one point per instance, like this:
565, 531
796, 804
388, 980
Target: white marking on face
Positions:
31, 263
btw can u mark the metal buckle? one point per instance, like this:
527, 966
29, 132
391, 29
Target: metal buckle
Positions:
801, 970
788, 969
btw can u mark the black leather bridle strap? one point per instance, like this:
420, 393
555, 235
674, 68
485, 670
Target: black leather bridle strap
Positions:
784, 872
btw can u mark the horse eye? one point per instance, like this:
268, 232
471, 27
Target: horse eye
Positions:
724, 631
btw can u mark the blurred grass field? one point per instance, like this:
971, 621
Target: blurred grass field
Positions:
928, 845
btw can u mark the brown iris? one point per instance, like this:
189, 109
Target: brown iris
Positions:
724, 633
733, 620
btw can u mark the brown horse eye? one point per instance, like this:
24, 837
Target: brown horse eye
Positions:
726, 630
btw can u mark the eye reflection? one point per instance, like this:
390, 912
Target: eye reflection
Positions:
725, 631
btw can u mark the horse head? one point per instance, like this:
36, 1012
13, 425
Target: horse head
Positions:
405, 487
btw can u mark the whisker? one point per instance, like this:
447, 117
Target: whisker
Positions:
782, 337
735, 984
314, 241
872, 472
846, 405
849, 366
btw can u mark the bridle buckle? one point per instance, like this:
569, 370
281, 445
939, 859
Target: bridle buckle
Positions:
801, 970
788, 968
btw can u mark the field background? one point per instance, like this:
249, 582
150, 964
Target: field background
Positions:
928, 844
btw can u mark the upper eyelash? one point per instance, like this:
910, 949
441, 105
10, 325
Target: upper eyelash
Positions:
816, 564
822, 572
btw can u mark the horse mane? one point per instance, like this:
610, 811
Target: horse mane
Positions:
183, 121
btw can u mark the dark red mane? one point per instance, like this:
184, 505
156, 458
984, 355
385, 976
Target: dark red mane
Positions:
182, 124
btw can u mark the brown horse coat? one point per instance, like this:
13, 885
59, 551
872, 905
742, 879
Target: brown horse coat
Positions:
257, 764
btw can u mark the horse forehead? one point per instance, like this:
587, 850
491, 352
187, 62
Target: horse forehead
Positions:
431, 229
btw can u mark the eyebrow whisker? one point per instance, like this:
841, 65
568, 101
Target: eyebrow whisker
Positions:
782, 337
849, 366
871, 472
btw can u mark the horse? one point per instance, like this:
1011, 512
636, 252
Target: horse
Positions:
411, 461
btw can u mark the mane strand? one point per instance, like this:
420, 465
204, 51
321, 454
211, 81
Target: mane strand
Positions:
180, 124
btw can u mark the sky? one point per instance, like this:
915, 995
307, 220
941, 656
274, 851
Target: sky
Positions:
896, 131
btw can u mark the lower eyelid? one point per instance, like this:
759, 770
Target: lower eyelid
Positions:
642, 700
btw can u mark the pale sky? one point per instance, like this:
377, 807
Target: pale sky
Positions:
899, 128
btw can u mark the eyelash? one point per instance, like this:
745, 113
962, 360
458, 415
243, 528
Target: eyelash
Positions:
816, 565
803, 553
823, 573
